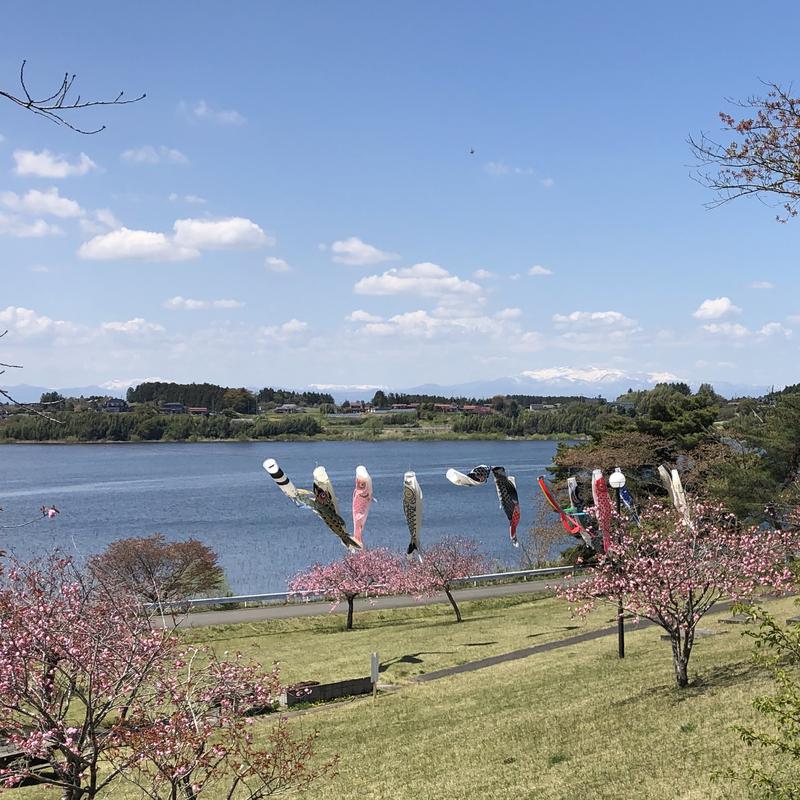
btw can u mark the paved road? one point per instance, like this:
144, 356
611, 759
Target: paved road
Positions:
234, 615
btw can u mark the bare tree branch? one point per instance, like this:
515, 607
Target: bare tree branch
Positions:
55, 105
4, 393
763, 158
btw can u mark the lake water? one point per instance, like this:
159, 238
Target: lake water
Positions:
220, 494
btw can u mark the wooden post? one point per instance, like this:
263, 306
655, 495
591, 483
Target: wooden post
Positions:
374, 674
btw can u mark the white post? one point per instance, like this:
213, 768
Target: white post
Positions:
374, 675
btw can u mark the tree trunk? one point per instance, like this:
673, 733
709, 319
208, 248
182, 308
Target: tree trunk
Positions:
72, 793
453, 603
350, 599
681, 650
75, 791
186, 786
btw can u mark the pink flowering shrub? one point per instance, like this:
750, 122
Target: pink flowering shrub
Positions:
442, 564
91, 691
672, 572
363, 572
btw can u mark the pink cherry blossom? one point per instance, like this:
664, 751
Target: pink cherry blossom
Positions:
371, 573
442, 564
672, 572
90, 688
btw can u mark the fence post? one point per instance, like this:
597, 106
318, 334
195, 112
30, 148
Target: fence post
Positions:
374, 669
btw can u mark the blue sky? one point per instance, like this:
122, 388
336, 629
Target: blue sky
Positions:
295, 202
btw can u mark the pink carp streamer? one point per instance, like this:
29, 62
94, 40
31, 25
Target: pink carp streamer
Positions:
603, 505
362, 499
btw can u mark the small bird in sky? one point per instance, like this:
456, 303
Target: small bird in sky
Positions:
472, 151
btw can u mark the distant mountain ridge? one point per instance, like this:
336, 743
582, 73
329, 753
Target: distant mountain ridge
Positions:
25, 393
589, 382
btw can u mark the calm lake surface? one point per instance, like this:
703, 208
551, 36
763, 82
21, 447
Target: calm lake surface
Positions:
220, 494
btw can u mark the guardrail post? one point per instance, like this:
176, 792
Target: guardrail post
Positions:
374, 673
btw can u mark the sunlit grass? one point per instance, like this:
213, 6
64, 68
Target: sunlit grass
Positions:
573, 723
408, 641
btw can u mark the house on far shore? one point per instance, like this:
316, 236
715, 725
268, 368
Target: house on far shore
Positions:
198, 411
173, 408
288, 408
115, 406
475, 409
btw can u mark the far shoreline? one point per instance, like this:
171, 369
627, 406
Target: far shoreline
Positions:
309, 439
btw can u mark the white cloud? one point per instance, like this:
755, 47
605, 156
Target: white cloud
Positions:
190, 238
663, 377
46, 164
730, 329
530, 341
294, 326
187, 304
46, 202
100, 221
701, 363
11, 225
357, 253
192, 199
40, 268
716, 308
594, 319
425, 279
761, 285
547, 183
287, 331
362, 316
444, 322
509, 313
118, 384
127, 244
595, 330
148, 154
107, 218
201, 110
733, 330
775, 329
132, 326
418, 323
274, 264
499, 168
220, 234
538, 269
483, 275
345, 387
26, 323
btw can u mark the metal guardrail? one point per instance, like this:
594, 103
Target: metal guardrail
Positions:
285, 597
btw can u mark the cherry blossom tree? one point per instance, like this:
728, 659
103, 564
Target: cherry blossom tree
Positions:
90, 695
203, 745
363, 572
443, 564
672, 572
762, 154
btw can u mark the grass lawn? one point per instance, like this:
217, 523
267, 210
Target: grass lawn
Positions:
409, 641
573, 723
